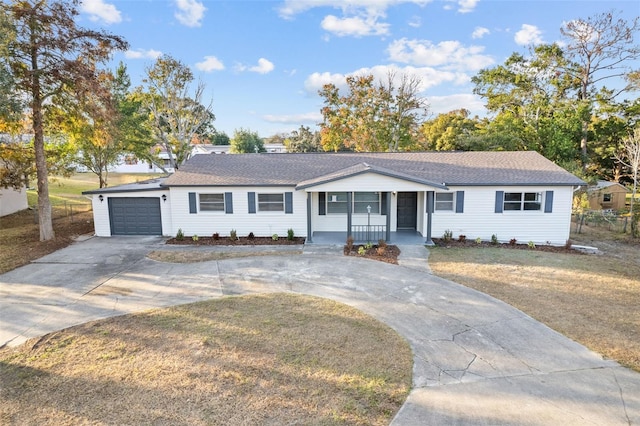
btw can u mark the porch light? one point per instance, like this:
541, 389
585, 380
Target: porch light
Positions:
101, 198
368, 209
164, 197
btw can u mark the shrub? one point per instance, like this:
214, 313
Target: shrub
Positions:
382, 243
251, 236
531, 244
350, 243
274, 237
233, 235
180, 235
512, 242
216, 236
494, 239
381, 250
362, 251
462, 238
290, 234
195, 237
478, 240
368, 245
448, 235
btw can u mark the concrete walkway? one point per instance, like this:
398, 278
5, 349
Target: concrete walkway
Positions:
476, 360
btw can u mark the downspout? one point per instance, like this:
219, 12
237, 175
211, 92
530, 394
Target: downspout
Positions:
429, 241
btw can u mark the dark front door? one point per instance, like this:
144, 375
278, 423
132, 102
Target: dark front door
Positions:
407, 210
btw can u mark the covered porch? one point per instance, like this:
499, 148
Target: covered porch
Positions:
400, 237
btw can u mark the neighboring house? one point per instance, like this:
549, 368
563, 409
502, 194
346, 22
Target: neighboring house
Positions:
12, 201
607, 196
519, 195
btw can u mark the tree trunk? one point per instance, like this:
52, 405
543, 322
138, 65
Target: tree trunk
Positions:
44, 204
42, 174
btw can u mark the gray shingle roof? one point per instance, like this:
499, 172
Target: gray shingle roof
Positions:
443, 168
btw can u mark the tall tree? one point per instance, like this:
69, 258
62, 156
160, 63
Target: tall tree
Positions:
220, 138
603, 48
50, 55
373, 116
630, 157
176, 115
303, 140
246, 142
446, 131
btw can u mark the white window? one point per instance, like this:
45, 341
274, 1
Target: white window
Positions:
444, 201
212, 202
271, 202
337, 202
362, 200
522, 201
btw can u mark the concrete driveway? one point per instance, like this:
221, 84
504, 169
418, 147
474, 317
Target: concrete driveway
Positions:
476, 360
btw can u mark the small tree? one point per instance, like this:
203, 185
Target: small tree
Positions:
630, 157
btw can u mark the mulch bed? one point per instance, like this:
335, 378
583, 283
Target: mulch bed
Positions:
390, 254
439, 242
241, 241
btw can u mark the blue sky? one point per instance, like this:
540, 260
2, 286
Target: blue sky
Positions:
264, 61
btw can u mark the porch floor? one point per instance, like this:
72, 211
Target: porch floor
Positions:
404, 237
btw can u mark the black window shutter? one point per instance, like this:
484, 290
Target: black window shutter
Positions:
548, 202
252, 202
499, 201
459, 201
228, 202
193, 206
322, 203
288, 202
383, 204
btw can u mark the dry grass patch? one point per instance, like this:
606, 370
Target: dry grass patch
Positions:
268, 359
592, 299
186, 256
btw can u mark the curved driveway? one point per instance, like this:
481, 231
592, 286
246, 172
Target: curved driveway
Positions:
476, 360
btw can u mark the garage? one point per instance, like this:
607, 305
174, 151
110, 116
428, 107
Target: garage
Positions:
135, 216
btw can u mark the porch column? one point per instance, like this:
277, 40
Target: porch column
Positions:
309, 208
349, 207
388, 209
429, 241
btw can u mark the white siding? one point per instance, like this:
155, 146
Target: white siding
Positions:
12, 201
262, 224
368, 182
480, 220
101, 222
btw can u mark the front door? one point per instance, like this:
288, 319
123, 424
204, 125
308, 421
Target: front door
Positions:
407, 210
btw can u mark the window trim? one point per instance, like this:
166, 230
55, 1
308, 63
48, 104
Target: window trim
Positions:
523, 201
200, 202
260, 203
453, 202
329, 202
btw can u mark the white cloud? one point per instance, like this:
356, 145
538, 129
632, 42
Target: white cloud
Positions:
447, 54
297, 119
528, 34
355, 26
466, 6
190, 12
415, 22
264, 67
142, 54
210, 63
430, 77
290, 8
98, 10
480, 32
444, 104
